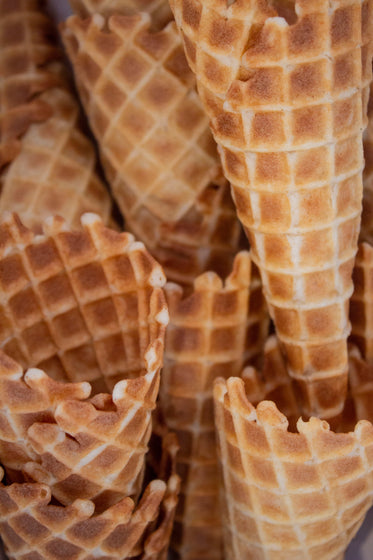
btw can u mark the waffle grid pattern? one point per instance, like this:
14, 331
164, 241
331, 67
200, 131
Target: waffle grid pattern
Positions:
206, 238
82, 305
26, 399
159, 10
284, 498
29, 522
54, 172
80, 457
26, 50
288, 116
206, 337
361, 305
140, 97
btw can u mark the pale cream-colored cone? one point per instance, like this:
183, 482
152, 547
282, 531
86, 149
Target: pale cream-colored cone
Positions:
289, 495
140, 99
287, 102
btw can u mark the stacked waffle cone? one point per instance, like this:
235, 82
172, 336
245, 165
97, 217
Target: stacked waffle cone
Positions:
81, 447
100, 356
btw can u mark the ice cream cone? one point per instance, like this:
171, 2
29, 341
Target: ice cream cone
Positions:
26, 398
208, 336
30, 524
53, 169
140, 99
289, 495
207, 237
286, 92
83, 305
96, 449
26, 51
54, 172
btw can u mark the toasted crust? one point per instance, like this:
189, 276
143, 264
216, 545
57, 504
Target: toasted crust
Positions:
140, 98
159, 10
207, 336
287, 107
289, 494
27, 49
31, 524
81, 304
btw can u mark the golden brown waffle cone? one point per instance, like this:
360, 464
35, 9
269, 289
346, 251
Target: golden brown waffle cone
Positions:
27, 48
25, 399
207, 337
140, 99
83, 305
29, 524
207, 237
96, 450
366, 233
361, 305
289, 495
159, 10
54, 171
287, 107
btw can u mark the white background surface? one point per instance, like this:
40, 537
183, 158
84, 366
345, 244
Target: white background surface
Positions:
361, 547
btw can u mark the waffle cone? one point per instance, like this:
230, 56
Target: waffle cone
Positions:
27, 398
140, 99
287, 104
289, 495
361, 306
26, 53
208, 336
96, 449
83, 305
207, 237
159, 10
366, 233
54, 171
30, 524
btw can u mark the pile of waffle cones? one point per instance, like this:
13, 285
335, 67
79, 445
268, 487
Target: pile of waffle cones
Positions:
169, 385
